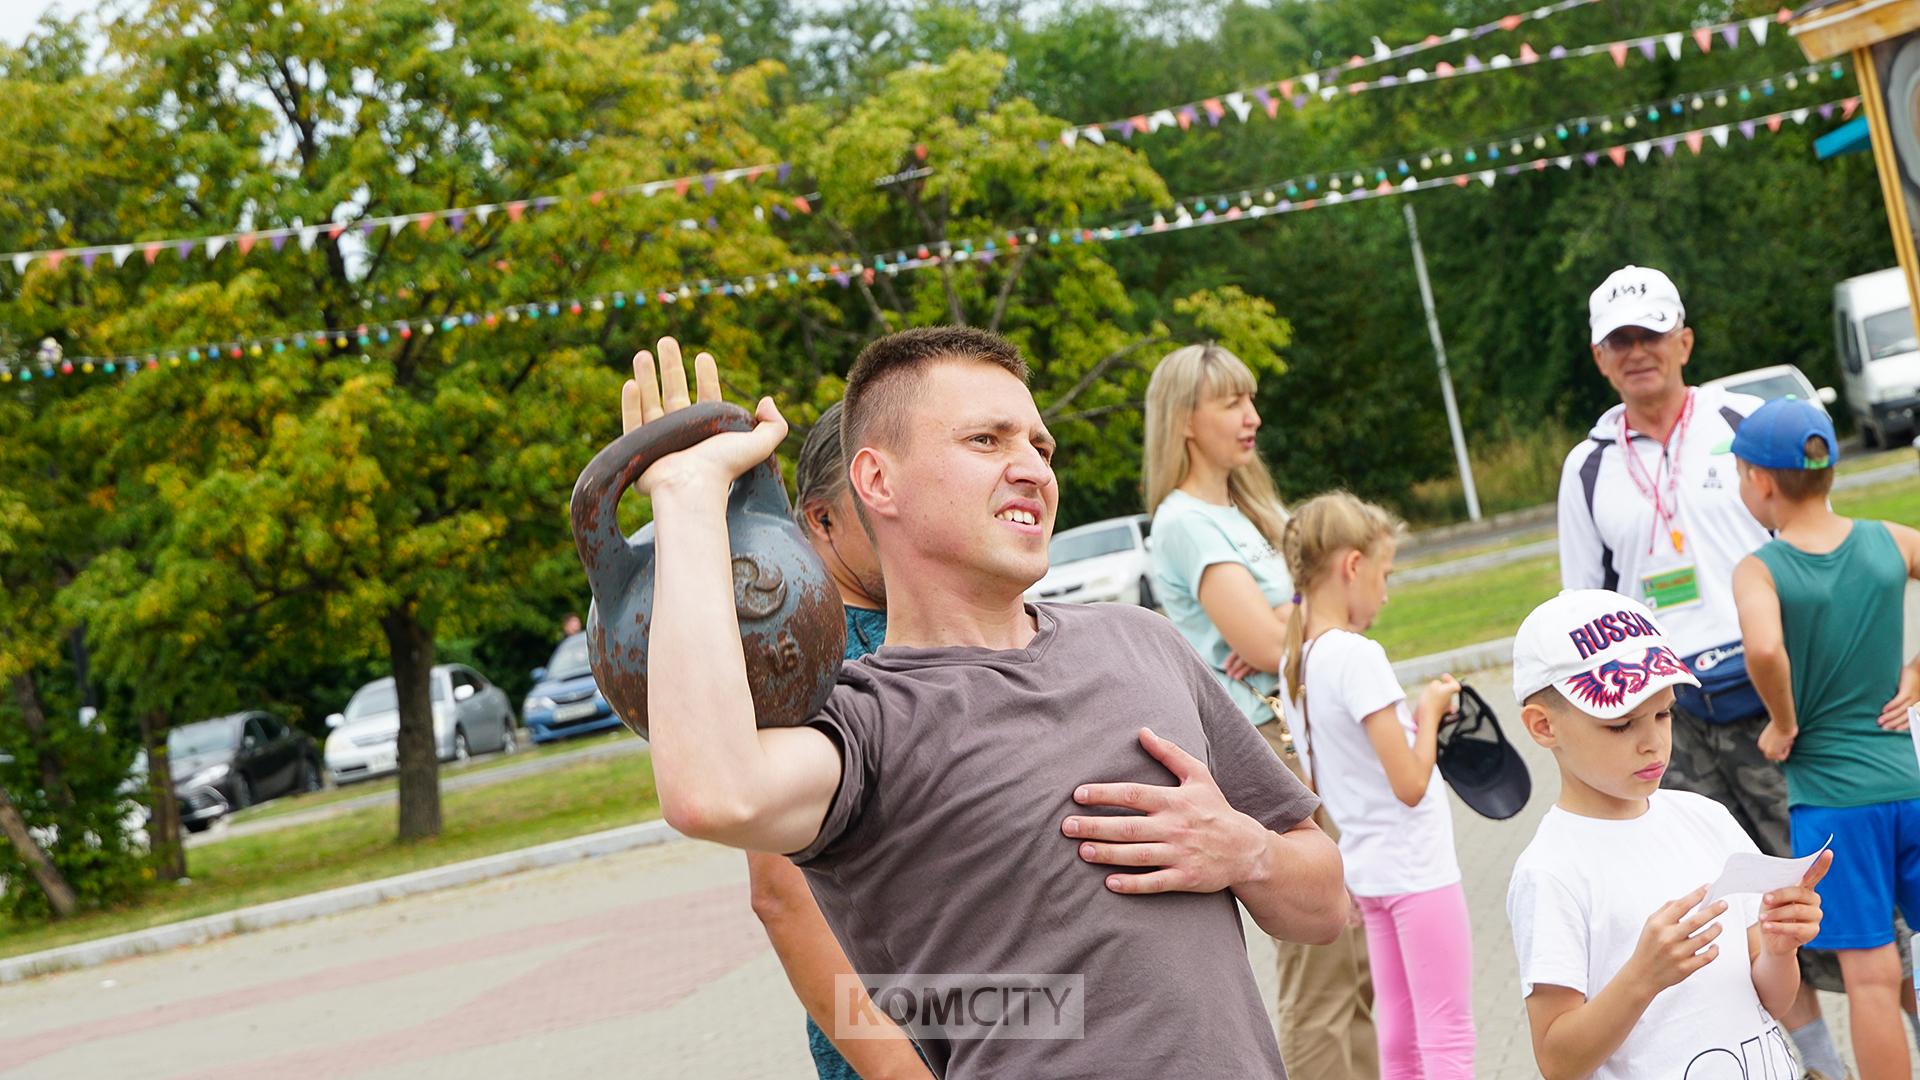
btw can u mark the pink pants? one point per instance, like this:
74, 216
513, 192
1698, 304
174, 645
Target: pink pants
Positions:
1420, 947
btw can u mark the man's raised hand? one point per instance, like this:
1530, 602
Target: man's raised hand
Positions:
652, 394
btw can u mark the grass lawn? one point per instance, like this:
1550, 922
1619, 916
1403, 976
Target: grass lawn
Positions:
569, 801
527, 752
1446, 613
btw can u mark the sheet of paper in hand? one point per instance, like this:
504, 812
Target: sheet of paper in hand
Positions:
1750, 872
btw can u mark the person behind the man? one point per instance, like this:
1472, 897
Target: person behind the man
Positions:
1615, 936
1650, 507
1823, 612
1002, 788
808, 951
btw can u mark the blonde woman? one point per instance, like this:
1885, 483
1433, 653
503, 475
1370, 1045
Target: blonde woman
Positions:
1217, 570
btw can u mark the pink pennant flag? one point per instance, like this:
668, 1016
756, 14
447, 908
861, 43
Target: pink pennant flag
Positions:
151, 252
800, 203
1511, 22
1461, 181
1286, 87
1619, 156
1695, 139
1703, 37
1187, 117
1784, 15
1139, 123
245, 243
515, 210
1214, 108
1268, 102
1443, 69
334, 231
1773, 123
1385, 186
598, 197
1527, 55
681, 185
1847, 106
1356, 61
1432, 39
1618, 50
55, 258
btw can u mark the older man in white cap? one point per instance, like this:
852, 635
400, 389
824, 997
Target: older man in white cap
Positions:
1650, 508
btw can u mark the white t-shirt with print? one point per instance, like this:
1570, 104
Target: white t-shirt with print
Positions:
1581, 894
1390, 848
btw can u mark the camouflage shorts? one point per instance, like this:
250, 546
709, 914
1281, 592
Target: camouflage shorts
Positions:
1724, 763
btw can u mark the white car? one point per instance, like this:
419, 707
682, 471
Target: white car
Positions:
1778, 381
1105, 562
470, 715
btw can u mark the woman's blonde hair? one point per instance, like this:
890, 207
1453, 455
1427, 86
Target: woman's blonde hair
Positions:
1319, 530
1181, 380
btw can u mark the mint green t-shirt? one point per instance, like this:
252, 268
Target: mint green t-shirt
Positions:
1842, 614
1190, 535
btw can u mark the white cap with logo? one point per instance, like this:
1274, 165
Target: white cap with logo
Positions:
1602, 651
1634, 296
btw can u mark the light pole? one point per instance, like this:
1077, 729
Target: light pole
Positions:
1446, 377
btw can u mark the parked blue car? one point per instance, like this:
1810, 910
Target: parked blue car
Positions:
565, 701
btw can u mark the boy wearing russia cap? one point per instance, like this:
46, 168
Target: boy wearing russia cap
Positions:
1822, 611
1619, 962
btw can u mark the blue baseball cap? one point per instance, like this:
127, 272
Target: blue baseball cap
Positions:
1775, 436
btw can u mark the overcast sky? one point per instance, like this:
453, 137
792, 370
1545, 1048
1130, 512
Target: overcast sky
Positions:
18, 16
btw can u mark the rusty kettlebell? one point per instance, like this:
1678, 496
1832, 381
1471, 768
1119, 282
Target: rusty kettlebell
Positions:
792, 627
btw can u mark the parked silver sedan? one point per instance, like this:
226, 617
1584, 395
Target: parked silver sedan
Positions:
470, 716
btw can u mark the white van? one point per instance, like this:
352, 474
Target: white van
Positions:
1879, 354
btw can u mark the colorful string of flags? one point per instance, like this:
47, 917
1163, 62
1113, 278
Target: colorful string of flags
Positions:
1301, 90
454, 218
1547, 137
866, 269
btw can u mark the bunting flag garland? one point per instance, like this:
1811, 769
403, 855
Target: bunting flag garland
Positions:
1301, 90
1548, 139
454, 218
866, 269
1312, 82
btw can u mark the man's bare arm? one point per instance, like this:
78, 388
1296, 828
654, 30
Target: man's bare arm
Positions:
718, 777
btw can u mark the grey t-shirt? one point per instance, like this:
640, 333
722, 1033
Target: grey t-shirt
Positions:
942, 851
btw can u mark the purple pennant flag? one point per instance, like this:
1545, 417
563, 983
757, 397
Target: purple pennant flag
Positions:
1213, 118
278, 240
713, 223
1387, 80
1826, 112
1482, 31
1472, 63
544, 201
183, 249
87, 257
780, 212
1122, 129
1265, 99
1285, 205
455, 219
1667, 145
1746, 129
780, 174
1731, 35
1647, 48
1187, 112
707, 182
842, 278
1513, 170
1558, 52
1591, 159
1299, 101
366, 228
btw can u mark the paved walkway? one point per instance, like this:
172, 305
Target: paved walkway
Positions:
643, 964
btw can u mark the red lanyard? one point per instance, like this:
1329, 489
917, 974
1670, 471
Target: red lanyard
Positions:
1666, 508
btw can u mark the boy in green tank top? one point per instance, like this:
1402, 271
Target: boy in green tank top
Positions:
1822, 615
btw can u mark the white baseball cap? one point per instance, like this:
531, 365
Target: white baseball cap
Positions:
1604, 652
1634, 296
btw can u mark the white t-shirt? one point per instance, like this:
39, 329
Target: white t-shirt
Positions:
1390, 848
1580, 896
1607, 525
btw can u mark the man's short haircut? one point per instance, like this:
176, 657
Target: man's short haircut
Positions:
1799, 485
887, 374
820, 473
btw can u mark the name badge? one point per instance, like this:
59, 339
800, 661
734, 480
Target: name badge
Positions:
1677, 587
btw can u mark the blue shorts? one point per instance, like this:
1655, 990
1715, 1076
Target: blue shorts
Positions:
1876, 865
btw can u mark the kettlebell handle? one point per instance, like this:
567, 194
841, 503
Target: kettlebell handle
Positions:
610, 561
